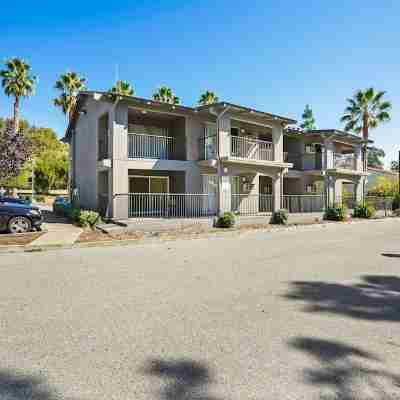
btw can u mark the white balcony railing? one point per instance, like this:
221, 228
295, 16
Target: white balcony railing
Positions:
251, 204
345, 161
304, 203
150, 146
251, 149
168, 205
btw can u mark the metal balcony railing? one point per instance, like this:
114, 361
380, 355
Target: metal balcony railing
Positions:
303, 203
168, 205
252, 149
150, 146
345, 161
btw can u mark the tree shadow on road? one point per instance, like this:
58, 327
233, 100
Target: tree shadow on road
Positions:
376, 298
185, 379
17, 386
346, 372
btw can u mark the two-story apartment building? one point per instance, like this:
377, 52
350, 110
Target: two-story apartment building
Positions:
133, 157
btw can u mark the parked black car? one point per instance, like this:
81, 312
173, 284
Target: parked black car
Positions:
13, 200
18, 217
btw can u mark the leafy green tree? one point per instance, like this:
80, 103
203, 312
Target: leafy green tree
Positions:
366, 110
384, 186
208, 97
308, 119
69, 84
121, 88
15, 150
165, 95
17, 82
51, 159
375, 157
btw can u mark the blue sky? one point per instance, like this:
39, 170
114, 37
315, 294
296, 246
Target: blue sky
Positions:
275, 56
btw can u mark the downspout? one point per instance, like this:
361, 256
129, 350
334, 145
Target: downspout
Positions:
219, 116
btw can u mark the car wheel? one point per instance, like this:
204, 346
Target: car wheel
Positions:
19, 225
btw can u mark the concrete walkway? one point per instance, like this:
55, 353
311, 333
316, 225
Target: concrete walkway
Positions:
59, 232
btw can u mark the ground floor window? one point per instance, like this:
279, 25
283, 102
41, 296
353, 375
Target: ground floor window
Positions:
148, 184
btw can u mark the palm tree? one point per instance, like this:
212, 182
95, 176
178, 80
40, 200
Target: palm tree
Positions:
365, 111
70, 84
166, 95
121, 88
17, 82
208, 97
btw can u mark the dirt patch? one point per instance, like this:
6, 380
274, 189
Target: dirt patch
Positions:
89, 235
18, 239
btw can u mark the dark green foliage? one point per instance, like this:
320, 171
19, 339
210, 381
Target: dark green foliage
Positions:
364, 211
396, 202
308, 119
336, 213
226, 221
375, 157
280, 217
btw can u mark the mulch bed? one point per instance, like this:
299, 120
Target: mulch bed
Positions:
20, 239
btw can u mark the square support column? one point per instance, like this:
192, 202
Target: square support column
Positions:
359, 190
277, 192
120, 185
277, 142
330, 195
359, 158
329, 154
224, 190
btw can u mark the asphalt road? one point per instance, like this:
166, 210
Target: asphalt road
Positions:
306, 314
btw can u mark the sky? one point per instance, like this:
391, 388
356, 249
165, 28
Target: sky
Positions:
270, 55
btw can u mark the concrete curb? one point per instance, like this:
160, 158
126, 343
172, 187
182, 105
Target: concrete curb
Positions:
229, 233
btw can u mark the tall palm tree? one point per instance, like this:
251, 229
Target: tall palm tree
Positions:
70, 84
121, 88
166, 95
17, 82
208, 97
365, 111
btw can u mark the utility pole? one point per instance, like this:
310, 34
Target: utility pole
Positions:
398, 170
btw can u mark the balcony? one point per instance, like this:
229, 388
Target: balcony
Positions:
150, 146
251, 149
344, 161
240, 148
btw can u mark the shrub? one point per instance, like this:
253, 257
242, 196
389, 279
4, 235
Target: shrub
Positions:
280, 217
336, 213
364, 211
88, 218
396, 202
40, 198
226, 221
